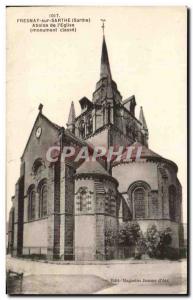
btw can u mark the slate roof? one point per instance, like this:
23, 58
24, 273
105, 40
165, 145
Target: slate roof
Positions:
145, 153
89, 167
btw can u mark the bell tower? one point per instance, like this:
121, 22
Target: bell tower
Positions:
106, 93
107, 120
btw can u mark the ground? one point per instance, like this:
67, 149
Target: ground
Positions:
109, 277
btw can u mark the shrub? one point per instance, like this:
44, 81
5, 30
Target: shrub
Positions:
130, 237
165, 242
152, 240
110, 237
154, 243
129, 233
158, 243
141, 247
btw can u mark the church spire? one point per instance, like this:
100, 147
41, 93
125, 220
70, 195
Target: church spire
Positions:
105, 71
144, 129
142, 118
71, 118
106, 88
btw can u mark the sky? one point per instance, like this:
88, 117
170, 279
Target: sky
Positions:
147, 53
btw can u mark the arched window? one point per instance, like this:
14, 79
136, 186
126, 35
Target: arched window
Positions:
82, 129
139, 202
43, 201
172, 202
38, 166
90, 125
109, 114
31, 204
138, 196
84, 199
43, 195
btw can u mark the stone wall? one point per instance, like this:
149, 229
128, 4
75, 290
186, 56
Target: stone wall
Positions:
128, 173
85, 222
35, 237
10, 231
69, 212
85, 237
99, 139
18, 204
37, 148
92, 223
159, 177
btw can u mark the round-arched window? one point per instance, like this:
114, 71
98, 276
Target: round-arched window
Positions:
90, 125
38, 166
43, 201
43, 198
139, 202
31, 204
82, 129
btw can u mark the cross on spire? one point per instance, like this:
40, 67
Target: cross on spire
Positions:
40, 107
103, 25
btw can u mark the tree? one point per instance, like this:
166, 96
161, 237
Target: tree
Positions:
131, 239
158, 242
129, 233
165, 242
152, 240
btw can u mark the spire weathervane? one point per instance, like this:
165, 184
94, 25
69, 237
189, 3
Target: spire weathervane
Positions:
103, 25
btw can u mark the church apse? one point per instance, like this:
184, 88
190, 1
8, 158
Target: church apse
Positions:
70, 205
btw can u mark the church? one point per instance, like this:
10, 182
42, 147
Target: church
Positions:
62, 209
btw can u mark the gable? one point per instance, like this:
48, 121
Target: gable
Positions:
43, 135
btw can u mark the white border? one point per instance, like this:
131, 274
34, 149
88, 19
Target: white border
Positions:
3, 4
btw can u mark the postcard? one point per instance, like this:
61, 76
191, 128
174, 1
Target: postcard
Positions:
96, 150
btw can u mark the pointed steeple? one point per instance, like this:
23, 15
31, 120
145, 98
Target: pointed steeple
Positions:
71, 118
142, 119
106, 89
105, 71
